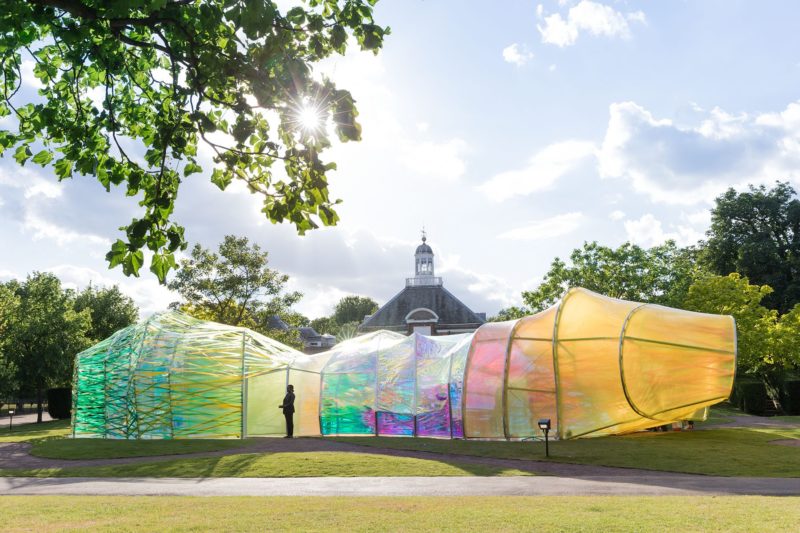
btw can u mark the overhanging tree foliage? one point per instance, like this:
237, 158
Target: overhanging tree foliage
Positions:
131, 89
757, 234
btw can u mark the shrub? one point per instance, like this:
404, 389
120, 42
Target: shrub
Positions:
59, 403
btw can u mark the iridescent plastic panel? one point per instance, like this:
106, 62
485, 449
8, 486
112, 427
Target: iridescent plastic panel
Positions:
593, 365
395, 382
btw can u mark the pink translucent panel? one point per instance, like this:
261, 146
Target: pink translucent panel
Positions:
485, 381
483, 391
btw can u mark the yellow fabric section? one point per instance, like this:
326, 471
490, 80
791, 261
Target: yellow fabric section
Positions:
306, 391
591, 397
265, 393
675, 362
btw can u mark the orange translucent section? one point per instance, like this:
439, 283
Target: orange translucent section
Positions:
531, 392
306, 391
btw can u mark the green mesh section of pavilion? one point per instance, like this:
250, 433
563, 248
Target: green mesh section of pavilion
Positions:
171, 376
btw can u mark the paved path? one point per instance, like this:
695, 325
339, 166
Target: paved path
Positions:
750, 421
402, 486
28, 418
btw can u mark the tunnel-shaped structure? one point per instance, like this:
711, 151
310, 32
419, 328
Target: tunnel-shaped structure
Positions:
593, 365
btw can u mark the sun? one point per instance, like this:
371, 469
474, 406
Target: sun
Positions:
310, 118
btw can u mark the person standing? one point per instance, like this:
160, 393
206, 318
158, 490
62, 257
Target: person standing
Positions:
288, 411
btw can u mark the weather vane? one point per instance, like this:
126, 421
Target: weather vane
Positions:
424, 238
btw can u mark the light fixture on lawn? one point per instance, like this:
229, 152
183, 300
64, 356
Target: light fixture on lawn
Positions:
544, 425
10, 418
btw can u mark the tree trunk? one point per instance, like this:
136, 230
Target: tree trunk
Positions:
39, 401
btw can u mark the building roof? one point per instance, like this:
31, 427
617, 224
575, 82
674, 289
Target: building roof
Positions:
449, 309
424, 249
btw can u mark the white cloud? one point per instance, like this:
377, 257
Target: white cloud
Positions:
387, 132
647, 231
689, 165
31, 183
516, 54
543, 171
481, 292
440, 160
593, 17
28, 77
149, 295
44, 229
546, 228
617, 215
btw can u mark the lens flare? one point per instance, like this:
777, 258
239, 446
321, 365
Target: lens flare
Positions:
310, 118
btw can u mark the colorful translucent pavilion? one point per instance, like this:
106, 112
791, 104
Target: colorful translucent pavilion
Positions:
593, 365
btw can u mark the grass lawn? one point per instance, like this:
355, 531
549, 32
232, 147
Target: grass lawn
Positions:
722, 452
306, 464
508, 513
110, 448
28, 432
49, 440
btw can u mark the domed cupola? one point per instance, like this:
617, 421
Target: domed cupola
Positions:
423, 266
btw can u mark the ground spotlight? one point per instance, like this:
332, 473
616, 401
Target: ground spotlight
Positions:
544, 425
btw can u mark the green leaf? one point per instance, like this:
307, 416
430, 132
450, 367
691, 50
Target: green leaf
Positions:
221, 178
43, 157
63, 168
22, 154
161, 265
192, 168
133, 262
117, 254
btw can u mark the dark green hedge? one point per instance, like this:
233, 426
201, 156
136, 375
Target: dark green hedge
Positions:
59, 403
750, 396
790, 396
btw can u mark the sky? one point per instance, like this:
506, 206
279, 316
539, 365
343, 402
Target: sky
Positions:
513, 131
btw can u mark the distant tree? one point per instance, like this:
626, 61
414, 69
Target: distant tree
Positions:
234, 286
325, 325
768, 345
661, 274
109, 308
353, 309
130, 90
45, 333
510, 313
757, 234
9, 302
